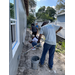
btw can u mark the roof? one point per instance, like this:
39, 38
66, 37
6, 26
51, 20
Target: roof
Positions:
61, 14
26, 2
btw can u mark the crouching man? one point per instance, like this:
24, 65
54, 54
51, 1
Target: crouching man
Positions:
34, 42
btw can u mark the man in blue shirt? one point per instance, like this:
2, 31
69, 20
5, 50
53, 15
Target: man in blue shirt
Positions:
37, 27
49, 31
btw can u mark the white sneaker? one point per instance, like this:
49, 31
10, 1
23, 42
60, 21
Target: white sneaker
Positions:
33, 48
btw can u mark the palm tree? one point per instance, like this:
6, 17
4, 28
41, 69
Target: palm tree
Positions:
32, 3
60, 7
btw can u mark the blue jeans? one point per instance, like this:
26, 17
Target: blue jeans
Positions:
51, 49
34, 43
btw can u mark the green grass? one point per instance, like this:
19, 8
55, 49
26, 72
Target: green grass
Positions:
62, 49
57, 50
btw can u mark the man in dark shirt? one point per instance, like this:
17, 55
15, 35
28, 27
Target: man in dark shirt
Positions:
34, 29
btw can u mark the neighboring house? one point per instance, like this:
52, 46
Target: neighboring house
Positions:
61, 17
17, 31
61, 22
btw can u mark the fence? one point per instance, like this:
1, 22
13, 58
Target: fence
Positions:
62, 32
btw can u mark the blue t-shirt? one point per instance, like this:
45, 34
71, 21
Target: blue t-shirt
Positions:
37, 26
49, 31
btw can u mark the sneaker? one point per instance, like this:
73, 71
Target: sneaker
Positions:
40, 64
33, 48
50, 68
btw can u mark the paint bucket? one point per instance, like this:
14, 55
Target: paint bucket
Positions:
34, 62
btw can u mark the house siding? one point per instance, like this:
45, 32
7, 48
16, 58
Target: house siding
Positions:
61, 18
13, 62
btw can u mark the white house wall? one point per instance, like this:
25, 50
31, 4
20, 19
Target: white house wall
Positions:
22, 22
22, 18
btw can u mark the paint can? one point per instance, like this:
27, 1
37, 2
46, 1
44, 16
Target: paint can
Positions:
35, 62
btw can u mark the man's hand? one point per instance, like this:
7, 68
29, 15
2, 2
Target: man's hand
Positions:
30, 41
59, 29
38, 41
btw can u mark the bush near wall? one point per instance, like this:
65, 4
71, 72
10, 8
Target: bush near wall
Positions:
30, 19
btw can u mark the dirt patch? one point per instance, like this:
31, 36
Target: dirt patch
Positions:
24, 67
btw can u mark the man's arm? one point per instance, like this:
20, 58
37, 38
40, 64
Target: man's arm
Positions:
39, 38
59, 29
41, 33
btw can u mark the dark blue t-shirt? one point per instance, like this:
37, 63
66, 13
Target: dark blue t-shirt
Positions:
34, 29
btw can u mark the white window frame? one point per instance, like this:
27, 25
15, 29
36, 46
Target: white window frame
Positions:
14, 24
16, 43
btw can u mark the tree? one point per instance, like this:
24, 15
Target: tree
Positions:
30, 19
51, 11
38, 15
46, 14
42, 9
60, 7
11, 10
40, 12
32, 3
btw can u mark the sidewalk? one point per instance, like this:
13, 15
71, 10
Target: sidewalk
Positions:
24, 67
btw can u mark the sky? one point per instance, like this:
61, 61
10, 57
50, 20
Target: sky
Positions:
41, 3
11, 1
46, 3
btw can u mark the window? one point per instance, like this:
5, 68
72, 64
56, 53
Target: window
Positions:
13, 30
13, 22
13, 33
14, 26
13, 9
